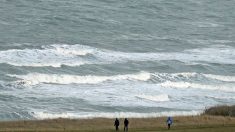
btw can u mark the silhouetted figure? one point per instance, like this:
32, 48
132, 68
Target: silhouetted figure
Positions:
169, 121
126, 122
116, 124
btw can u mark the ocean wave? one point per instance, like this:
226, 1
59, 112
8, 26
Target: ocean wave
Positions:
174, 76
206, 24
71, 49
216, 54
222, 97
191, 76
221, 78
37, 78
185, 85
180, 80
75, 55
86, 115
157, 98
53, 55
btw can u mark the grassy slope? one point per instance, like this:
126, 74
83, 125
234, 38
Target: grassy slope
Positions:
181, 124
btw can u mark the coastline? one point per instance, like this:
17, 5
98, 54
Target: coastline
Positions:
181, 123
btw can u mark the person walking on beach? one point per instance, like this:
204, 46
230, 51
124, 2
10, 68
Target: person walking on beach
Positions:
169, 121
116, 124
126, 122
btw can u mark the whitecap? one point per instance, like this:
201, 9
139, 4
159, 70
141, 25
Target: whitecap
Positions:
75, 55
87, 115
186, 85
221, 77
37, 78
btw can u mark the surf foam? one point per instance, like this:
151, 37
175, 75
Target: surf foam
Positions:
85, 115
185, 85
54, 55
174, 76
222, 97
75, 55
37, 78
221, 78
191, 76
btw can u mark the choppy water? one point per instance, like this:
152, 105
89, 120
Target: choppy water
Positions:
115, 58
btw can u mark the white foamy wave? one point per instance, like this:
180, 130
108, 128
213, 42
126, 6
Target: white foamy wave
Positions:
221, 78
37, 78
54, 55
191, 76
71, 49
185, 85
222, 97
157, 98
174, 76
186, 74
85, 115
215, 54
75, 55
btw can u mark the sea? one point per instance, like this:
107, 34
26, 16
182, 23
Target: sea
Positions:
115, 58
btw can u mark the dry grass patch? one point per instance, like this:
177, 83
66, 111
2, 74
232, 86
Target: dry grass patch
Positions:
189, 123
223, 110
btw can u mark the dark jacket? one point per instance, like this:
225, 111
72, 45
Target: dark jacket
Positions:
126, 122
116, 123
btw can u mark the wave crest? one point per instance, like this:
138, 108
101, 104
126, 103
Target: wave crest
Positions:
37, 78
221, 78
54, 55
85, 115
75, 55
185, 85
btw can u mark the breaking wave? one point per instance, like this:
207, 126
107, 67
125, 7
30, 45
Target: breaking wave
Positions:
54, 55
37, 78
162, 77
222, 97
85, 115
75, 55
221, 78
191, 76
176, 80
185, 85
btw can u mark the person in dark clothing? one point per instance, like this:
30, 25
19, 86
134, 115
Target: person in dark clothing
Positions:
126, 122
116, 124
169, 122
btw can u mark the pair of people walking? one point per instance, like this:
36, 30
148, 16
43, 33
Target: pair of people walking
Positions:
169, 122
126, 123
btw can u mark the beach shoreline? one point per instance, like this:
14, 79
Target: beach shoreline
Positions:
180, 123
